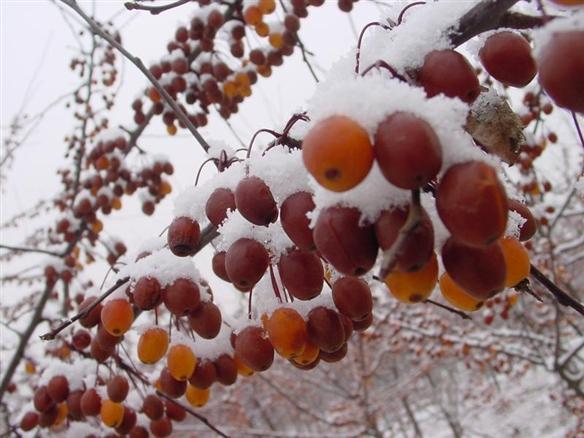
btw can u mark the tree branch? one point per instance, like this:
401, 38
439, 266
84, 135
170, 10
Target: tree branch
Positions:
180, 114
26, 335
23, 249
486, 15
130, 370
53, 333
563, 298
155, 10
450, 309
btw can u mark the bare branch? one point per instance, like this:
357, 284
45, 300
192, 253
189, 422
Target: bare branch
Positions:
53, 333
26, 335
155, 10
563, 298
23, 249
450, 309
180, 114
123, 365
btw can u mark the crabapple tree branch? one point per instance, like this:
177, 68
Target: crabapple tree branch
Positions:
207, 236
52, 334
26, 335
97, 29
155, 10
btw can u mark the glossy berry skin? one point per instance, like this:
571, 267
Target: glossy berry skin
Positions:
302, 273
218, 265
480, 271
170, 386
472, 203
325, 329
117, 316
457, 296
407, 150
58, 388
561, 69
146, 293
181, 362
245, 263
90, 403
413, 287
153, 407
255, 202
161, 428
448, 72
94, 316
507, 57
352, 297
350, 248
112, 413
128, 421
118, 388
106, 340
42, 400
516, 260
254, 349
226, 370
206, 320
183, 236
294, 220
219, 202
29, 421
197, 397
181, 296
334, 356
287, 331
529, 227
419, 244
152, 345
204, 375
337, 153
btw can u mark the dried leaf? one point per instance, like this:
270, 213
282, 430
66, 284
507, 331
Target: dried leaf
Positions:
493, 124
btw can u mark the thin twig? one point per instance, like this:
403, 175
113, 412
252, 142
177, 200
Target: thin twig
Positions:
88, 112
525, 287
304, 52
23, 249
123, 365
404, 10
450, 309
26, 335
562, 297
51, 335
360, 41
180, 114
413, 220
155, 10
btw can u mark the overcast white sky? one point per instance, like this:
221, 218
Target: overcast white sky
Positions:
36, 48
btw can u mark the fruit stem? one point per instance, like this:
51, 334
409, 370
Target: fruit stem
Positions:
269, 131
275, 284
524, 287
404, 10
358, 51
413, 220
450, 309
382, 64
578, 130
